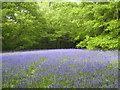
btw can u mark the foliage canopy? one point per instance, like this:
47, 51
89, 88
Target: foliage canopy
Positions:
40, 25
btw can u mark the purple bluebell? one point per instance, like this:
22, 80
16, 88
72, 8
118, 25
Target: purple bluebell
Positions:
63, 67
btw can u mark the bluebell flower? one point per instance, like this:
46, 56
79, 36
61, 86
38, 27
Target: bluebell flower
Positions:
53, 86
72, 65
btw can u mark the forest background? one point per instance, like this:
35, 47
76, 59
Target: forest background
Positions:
53, 25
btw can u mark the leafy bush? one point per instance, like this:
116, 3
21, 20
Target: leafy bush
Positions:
104, 42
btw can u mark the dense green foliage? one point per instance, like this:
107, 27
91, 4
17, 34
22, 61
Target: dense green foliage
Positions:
38, 25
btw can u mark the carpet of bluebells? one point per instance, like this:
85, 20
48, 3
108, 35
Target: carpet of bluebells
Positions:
60, 68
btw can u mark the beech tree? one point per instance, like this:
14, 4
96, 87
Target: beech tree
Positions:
45, 25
